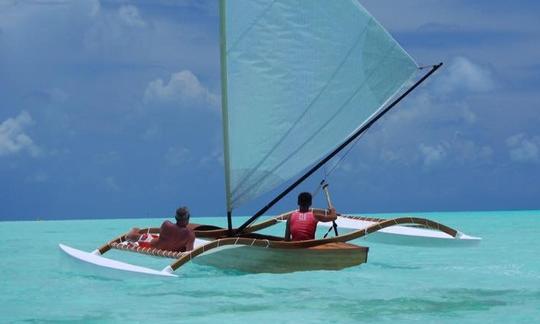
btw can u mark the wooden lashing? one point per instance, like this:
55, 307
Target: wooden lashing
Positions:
363, 218
107, 246
147, 250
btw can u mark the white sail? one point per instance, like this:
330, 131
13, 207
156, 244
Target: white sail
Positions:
298, 77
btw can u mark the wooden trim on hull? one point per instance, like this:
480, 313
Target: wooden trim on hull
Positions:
328, 253
330, 256
210, 231
259, 256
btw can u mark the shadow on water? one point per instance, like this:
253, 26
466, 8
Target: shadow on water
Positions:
105, 317
203, 271
393, 266
198, 293
440, 302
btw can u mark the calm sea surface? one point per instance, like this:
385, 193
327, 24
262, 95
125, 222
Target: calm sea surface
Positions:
497, 281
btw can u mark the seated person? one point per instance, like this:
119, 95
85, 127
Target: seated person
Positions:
301, 224
172, 237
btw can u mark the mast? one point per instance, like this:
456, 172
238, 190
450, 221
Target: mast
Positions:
224, 109
359, 132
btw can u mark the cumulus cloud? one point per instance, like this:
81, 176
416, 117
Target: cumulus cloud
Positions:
107, 157
464, 75
215, 157
445, 100
177, 156
13, 137
523, 149
465, 150
39, 177
118, 33
95, 7
151, 133
459, 151
182, 87
129, 15
438, 115
47, 96
432, 154
468, 115
111, 184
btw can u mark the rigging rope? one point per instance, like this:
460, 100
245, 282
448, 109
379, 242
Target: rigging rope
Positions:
334, 167
344, 155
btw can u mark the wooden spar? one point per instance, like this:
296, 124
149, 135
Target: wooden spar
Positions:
359, 132
107, 246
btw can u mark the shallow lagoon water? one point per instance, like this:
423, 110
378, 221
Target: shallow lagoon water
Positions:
497, 281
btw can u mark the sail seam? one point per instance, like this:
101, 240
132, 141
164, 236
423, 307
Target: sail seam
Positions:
308, 107
332, 118
338, 111
246, 31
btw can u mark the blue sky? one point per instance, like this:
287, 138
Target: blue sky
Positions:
111, 109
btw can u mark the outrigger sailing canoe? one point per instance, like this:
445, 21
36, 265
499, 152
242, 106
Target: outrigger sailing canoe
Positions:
301, 80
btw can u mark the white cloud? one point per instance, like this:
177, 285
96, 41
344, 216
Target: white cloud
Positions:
177, 156
465, 150
107, 157
418, 13
152, 133
444, 101
120, 35
95, 7
183, 87
523, 149
13, 138
215, 157
111, 184
53, 95
39, 177
432, 154
468, 115
464, 75
130, 16
458, 151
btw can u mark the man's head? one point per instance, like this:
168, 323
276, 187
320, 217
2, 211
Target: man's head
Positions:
304, 199
182, 216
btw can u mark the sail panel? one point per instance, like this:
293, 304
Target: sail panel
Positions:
301, 77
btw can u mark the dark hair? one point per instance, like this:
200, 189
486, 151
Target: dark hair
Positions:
182, 214
304, 199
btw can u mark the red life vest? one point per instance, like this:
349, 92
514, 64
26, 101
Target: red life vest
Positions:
146, 239
302, 226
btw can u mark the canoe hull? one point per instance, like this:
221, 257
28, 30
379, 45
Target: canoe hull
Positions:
330, 256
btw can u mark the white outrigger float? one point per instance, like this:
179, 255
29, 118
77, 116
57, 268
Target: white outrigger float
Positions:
301, 80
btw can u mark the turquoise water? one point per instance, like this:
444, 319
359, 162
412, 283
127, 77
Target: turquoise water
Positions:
498, 281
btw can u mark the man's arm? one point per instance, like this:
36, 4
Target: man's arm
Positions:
325, 216
191, 241
288, 230
162, 234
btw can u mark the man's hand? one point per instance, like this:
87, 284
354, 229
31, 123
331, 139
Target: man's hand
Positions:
332, 213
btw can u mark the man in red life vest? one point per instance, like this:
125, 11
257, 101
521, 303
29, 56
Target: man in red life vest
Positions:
172, 237
301, 224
